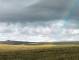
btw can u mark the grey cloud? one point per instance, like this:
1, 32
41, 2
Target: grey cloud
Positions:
43, 10
38, 13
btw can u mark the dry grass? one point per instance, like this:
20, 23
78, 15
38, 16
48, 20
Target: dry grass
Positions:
39, 52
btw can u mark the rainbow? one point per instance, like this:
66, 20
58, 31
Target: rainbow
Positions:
73, 4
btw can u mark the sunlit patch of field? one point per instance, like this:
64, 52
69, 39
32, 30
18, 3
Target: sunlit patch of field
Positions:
26, 47
39, 52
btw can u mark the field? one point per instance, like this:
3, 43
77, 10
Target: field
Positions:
39, 52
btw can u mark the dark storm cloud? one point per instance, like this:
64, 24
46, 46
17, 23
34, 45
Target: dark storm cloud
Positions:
32, 10
48, 10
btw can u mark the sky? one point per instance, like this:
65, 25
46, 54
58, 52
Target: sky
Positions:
39, 20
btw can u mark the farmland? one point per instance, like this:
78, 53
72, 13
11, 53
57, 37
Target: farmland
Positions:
39, 52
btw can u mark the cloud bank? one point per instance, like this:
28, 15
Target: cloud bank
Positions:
39, 32
38, 20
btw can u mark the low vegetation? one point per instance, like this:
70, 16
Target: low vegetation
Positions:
39, 52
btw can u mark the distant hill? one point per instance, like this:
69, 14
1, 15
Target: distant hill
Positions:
66, 42
34, 43
13, 42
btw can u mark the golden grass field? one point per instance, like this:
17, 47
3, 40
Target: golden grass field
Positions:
39, 52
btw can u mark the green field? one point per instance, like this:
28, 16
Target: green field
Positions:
39, 52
